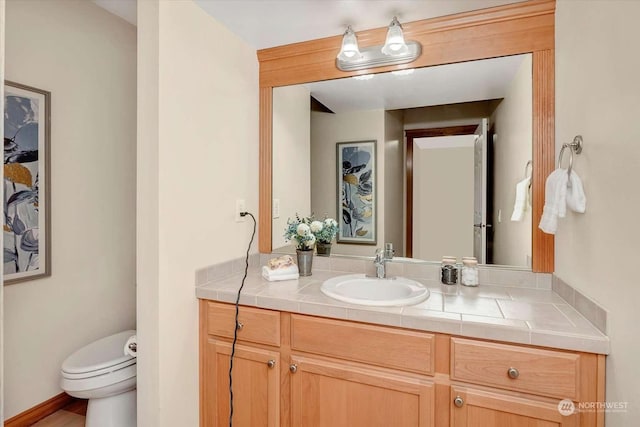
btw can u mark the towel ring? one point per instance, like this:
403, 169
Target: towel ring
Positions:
575, 147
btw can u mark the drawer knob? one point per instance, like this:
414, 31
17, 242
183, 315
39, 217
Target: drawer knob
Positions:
239, 326
271, 364
513, 373
458, 401
293, 368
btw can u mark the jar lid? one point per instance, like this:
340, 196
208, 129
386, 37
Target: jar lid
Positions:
449, 258
470, 262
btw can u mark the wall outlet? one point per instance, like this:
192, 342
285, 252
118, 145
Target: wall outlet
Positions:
276, 208
240, 207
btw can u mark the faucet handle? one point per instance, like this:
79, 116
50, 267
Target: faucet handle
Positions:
388, 250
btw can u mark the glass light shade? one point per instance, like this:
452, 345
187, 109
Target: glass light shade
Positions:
395, 44
349, 50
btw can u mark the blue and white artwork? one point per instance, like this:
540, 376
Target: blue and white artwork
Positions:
25, 182
356, 168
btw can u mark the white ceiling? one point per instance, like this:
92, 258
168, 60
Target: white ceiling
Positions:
125, 9
268, 23
440, 85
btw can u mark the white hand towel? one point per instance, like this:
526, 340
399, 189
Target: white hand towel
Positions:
522, 199
576, 199
131, 346
289, 273
555, 201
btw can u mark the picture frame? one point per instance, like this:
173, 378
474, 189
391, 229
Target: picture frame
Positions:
27, 218
356, 199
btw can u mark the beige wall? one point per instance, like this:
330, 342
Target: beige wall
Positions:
327, 130
443, 202
200, 130
597, 96
291, 156
86, 57
513, 148
394, 181
148, 215
2, 27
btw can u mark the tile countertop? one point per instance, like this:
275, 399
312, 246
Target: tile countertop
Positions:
511, 314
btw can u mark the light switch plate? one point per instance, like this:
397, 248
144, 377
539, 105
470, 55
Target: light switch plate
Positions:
276, 208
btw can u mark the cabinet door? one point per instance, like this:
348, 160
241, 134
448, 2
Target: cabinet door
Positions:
478, 408
339, 394
256, 386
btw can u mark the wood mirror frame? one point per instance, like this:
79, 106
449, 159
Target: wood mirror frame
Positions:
518, 28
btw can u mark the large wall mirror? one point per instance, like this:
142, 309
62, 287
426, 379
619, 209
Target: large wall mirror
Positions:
458, 136
454, 136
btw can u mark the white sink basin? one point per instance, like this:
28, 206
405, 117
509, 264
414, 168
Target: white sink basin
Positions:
364, 290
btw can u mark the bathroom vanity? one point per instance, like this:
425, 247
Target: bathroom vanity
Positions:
313, 362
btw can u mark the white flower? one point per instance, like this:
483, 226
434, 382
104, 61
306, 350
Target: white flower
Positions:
330, 222
303, 230
316, 226
310, 242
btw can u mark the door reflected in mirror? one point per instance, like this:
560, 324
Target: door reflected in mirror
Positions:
452, 143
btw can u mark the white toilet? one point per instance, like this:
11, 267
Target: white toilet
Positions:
102, 373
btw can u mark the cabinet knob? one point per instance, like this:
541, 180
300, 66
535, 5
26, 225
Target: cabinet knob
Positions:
458, 401
271, 364
293, 368
239, 326
513, 373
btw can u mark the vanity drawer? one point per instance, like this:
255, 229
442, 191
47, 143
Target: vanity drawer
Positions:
525, 369
258, 325
377, 345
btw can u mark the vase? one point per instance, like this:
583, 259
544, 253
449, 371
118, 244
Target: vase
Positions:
305, 261
324, 249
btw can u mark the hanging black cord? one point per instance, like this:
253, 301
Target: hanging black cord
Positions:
235, 332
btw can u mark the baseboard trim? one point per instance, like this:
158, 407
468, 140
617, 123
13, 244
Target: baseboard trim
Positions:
40, 411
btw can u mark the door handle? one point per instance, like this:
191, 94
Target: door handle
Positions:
482, 225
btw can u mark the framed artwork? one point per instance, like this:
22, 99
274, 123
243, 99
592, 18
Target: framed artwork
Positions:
356, 192
27, 131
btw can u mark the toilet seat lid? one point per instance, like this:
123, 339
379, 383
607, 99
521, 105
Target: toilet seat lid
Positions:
100, 355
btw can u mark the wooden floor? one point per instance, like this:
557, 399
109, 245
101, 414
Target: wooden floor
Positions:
71, 415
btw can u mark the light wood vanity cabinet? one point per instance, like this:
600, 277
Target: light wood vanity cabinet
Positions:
473, 407
256, 366
298, 370
351, 374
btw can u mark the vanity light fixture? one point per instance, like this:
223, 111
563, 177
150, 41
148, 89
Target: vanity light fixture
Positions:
395, 45
395, 50
349, 50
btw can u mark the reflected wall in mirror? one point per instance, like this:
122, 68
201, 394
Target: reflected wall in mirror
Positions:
452, 141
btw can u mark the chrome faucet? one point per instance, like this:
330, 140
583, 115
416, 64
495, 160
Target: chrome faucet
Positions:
382, 256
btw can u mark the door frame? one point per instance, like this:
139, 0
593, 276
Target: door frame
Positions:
410, 135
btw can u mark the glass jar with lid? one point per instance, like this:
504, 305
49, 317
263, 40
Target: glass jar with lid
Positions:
470, 273
448, 271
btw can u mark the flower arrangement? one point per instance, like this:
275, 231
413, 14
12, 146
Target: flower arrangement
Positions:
325, 231
299, 230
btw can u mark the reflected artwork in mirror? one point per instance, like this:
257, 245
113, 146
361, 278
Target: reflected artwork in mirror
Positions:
452, 142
